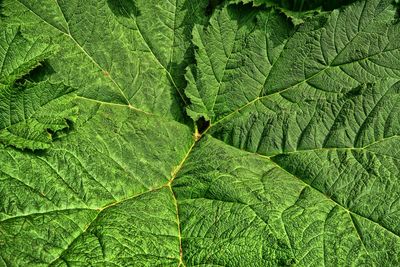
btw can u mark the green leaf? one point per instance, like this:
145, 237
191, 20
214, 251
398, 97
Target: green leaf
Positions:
310, 208
117, 51
97, 191
292, 157
32, 116
19, 55
30, 113
318, 104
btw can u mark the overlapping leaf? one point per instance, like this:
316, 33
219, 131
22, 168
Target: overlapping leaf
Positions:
31, 114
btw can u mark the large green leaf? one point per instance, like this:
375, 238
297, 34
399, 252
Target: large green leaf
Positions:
117, 51
299, 164
320, 105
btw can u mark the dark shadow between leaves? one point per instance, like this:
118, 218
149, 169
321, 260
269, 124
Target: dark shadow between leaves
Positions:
212, 5
306, 5
396, 3
294, 5
334, 4
61, 133
202, 125
37, 74
1, 9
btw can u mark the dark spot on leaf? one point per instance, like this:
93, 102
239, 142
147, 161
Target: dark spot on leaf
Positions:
124, 8
202, 125
282, 243
359, 90
355, 91
396, 88
39, 73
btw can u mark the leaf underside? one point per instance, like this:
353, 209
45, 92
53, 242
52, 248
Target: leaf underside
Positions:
157, 133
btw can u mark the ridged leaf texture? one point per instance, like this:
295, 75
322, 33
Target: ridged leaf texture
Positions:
189, 133
31, 114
